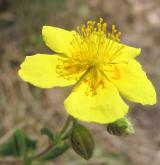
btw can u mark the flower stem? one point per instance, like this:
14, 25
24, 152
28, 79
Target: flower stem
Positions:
66, 125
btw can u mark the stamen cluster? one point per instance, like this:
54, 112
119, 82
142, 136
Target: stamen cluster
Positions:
92, 48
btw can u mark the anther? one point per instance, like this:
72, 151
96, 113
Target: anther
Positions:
101, 20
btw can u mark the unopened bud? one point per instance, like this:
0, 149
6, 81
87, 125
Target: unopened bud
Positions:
82, 141
121, 127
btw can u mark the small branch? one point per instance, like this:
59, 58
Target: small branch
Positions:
64, 131
61, 134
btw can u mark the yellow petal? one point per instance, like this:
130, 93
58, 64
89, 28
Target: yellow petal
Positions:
40, 70
104, 107
128, 53
120, 52
57, 39
133, 83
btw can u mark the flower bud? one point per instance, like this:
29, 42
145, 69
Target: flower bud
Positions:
121, 127
82, 141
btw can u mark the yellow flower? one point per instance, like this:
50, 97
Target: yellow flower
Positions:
99, 66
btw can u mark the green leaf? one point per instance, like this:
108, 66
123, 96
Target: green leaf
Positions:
8, 148
17, 145
31, 144
47, 132
56, 151
20, 143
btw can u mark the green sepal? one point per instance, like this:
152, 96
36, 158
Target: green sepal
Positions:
82, 141
56, 151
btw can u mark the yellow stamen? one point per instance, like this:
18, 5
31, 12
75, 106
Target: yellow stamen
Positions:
92, 48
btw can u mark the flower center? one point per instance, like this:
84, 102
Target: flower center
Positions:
92, 49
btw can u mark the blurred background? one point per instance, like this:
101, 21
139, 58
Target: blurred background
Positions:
25, 106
